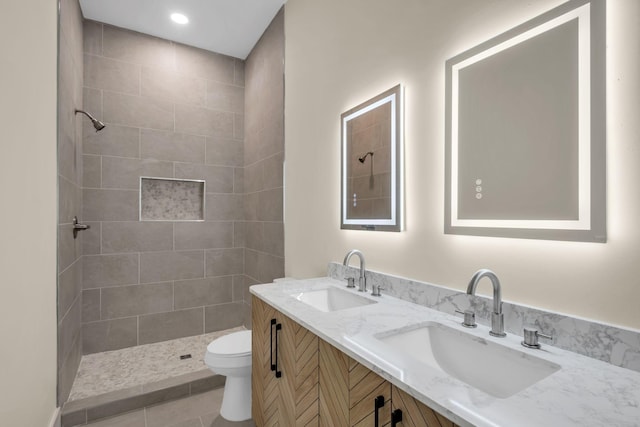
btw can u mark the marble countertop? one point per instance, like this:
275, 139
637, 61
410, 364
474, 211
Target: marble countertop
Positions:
584, 392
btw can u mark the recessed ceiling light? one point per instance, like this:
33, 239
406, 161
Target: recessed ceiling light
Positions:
179, 18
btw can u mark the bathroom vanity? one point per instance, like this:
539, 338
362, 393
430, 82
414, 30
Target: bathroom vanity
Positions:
329, 355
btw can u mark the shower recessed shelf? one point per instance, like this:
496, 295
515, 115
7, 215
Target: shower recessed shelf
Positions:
167, 199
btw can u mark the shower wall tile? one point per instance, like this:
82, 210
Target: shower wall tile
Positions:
223, 316
273, 241
223, 207
204, 64
69, 196
91, 238
109, 74
69, 249
273, 171
69, 287
178, 147
92, 37
239, 234
69, 329
91, 171
270, 205
134, 236
138, 48
225, 262
225, 151
171, 111
262, 126
219, 179
203, 235
90, 305
167, 83
238, 180
225, 97
69, 156
131, 110
109, 335
68, 368
202, 121
238, 73
100, 271
238, 126
110, 205
199, 292
123, 173
125, 301
171, 325
164, 266
113, 140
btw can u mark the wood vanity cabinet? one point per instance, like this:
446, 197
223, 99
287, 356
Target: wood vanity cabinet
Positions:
284, 379
300, 380
416, 413
351, 394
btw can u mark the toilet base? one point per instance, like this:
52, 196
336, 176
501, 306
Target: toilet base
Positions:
236, 401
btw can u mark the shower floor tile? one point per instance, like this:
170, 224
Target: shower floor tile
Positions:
109, 371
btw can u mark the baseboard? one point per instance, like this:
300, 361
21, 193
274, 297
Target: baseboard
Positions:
55, 418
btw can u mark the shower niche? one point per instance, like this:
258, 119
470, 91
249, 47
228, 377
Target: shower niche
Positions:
166, 199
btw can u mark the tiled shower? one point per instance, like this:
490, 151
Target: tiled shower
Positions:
179, 113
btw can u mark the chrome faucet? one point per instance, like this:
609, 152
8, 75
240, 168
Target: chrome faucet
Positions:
362, 281
497, 318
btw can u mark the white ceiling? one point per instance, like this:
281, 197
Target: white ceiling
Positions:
231, 27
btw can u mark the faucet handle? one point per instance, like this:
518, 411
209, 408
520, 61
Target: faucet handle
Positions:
375, 292
351, 282
531, 337
469, 318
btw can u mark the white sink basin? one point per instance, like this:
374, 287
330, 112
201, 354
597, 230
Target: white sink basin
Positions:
495, 369
331, 299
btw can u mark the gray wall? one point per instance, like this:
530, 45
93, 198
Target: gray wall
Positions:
69, 195
171, 111
264, 156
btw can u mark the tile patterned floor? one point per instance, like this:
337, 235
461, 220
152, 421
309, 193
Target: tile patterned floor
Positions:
105, 372
201, 410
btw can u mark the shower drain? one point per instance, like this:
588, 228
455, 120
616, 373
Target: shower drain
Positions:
185, 356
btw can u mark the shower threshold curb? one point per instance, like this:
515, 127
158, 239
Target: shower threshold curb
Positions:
82, 411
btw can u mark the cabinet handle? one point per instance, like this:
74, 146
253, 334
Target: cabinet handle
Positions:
278, 373
396, 417
377, 404
273, 366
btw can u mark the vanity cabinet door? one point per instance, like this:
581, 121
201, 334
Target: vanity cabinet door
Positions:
350, 393
285, 370
264, 387
415, 413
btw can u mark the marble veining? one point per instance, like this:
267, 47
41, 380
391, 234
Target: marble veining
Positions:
583, 392
109, 371
611, 344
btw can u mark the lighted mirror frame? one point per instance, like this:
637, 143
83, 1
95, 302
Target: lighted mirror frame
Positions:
393, 97
590, 225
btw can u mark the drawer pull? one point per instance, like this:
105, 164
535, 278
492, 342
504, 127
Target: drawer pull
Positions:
396, 417
378, 403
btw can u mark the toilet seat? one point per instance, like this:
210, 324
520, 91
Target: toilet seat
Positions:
237, 344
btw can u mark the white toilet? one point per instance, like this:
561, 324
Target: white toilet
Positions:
230, 355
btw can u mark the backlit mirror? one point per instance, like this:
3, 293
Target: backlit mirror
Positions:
525, 130
372, 164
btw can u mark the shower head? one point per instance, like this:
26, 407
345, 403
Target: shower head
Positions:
363, 158
97, 124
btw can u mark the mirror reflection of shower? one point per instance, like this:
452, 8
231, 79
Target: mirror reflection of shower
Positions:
97, 124
361, 159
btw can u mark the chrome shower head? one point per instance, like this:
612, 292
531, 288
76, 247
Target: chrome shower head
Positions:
97, 124
363, 158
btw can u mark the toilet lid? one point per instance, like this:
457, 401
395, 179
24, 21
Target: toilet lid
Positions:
234, 344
